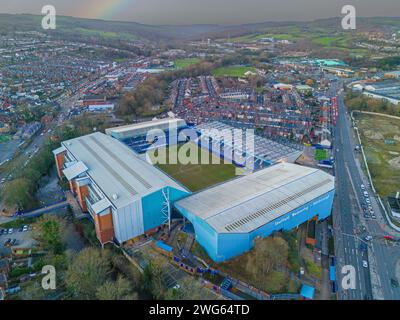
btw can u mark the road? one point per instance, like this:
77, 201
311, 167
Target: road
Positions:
66, 103
346, 212
374, 281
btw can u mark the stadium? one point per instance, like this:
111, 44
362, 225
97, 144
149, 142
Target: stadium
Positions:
228, 218
129, 198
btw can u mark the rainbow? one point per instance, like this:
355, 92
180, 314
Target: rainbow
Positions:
103, 9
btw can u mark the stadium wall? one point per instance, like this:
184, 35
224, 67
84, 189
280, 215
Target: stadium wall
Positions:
143, 214
224, 246
152, 205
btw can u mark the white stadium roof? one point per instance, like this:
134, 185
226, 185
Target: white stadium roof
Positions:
144, 127
247, 203
120, 174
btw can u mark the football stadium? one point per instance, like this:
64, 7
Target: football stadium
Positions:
128, 197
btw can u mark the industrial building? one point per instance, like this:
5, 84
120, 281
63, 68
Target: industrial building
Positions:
126, 196
387, 90
227, 218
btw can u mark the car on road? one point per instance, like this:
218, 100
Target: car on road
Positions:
362, 187
366, 194
367, 200
368, 238
365, 264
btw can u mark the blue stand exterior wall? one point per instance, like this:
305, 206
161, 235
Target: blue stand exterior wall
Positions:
152, 205
224, 246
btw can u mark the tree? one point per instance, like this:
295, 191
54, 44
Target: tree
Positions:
87, 272
18, 193
118, 290
49, 233
154, 279
270, 253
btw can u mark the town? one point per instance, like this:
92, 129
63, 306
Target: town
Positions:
273, 216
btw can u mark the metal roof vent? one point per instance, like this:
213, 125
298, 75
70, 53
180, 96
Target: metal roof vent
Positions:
115, 196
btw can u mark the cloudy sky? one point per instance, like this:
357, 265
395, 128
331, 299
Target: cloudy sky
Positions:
204, 11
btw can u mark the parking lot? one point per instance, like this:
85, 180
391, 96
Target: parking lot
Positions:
16, 237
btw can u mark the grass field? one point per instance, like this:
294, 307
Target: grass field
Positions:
4, 138
383, 158
196, 176
184, 63
238, 71
320, 154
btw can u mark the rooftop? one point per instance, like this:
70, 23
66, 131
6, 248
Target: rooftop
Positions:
145, 125
245, 204
116, 170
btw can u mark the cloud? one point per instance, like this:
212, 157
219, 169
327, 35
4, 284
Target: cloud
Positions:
206, 11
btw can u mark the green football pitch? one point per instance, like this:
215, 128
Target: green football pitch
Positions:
194, 175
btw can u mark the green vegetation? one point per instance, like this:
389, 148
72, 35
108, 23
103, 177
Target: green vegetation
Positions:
294, 259
320, 154
89, 277
4, 138
194, 176
234, 71
261, 267
20, 222
313, 269
20, 192
148, 98
49, 233
108, 35
357, 101
184, 63
382, 149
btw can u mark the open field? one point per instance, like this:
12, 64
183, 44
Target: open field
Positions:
382, 148
184, 63
196, 176
320, 154
238, 71
4, 138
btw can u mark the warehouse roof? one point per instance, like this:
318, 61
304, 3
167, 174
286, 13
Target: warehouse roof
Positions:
117, 171
75, 169
247, 203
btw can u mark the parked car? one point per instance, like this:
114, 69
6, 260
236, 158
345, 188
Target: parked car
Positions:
362, 187
10, 231
25, 228
368, 238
